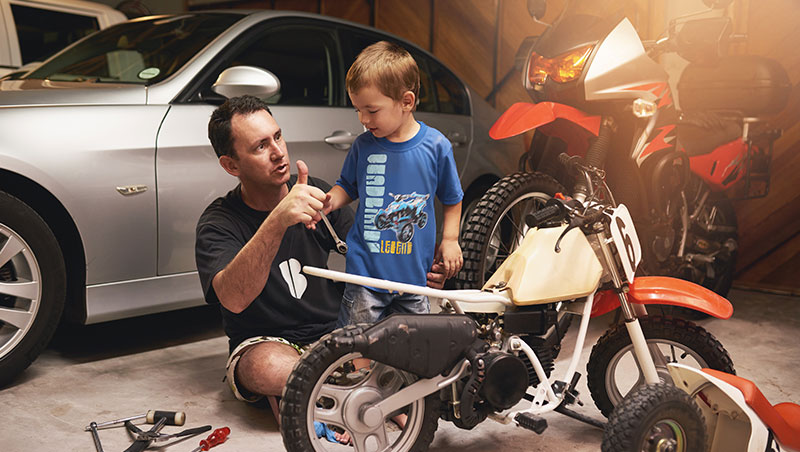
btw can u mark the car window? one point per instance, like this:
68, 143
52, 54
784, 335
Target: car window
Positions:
302, 58
141, 52
43, 32
450, 92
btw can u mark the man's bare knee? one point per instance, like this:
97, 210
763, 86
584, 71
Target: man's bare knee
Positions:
265, 367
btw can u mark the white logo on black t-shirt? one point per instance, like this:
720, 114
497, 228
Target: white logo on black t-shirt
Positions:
290, 270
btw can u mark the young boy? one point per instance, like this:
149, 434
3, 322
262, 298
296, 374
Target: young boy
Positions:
395, 169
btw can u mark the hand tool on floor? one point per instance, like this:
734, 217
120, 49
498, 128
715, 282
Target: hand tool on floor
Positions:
151, 417
216, 437
341, 247
95, 437
157, 436
141, 444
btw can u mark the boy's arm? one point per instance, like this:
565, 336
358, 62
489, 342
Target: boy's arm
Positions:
337, 198
449, 252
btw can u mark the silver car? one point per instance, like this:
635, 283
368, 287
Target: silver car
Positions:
105, 164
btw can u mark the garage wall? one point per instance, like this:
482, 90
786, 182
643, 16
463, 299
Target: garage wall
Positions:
479, 38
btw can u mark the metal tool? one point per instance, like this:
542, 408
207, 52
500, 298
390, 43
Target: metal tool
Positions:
216, 437
341, 246
151, 417
157, 436
95, 437
141, 444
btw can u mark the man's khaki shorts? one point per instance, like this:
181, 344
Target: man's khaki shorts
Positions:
230, 368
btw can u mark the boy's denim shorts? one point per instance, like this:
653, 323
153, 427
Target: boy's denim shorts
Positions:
362, 305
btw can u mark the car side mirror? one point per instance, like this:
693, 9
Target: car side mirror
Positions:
240, 80
537, 8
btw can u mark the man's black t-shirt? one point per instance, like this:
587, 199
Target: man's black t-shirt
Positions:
292, 305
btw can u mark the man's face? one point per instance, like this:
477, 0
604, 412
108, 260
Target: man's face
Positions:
261, 156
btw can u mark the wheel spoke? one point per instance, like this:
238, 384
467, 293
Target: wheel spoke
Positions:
16, 317
11, 248
27, 289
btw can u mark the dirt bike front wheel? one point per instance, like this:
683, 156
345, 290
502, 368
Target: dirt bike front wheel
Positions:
328, 388
496, 225
612, 370
656, 418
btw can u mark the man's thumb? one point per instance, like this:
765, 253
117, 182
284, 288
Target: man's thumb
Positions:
302, 172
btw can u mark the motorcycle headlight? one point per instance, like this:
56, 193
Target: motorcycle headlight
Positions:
562, 68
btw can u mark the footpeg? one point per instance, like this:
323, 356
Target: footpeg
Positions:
531, 422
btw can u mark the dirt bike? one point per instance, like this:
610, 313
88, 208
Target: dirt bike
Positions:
601, 95
702, 406
488, 349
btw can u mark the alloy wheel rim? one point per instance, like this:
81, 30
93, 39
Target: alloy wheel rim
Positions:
20, 289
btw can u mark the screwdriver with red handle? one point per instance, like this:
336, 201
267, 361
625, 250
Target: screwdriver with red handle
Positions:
216, 437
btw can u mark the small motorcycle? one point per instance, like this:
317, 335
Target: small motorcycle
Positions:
703, 405
490, 349
599, 93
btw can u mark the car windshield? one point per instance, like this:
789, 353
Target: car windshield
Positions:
141, 51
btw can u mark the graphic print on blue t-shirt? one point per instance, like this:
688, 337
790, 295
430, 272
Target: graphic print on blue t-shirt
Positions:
402, 214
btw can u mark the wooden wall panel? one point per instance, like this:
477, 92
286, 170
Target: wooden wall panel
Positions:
358, 11
464, 39
409, 19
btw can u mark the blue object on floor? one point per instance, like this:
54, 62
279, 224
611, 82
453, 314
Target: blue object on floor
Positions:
323, 430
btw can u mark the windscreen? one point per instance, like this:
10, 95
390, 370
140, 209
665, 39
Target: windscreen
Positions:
137, 52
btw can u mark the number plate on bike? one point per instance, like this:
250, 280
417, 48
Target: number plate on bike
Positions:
626, 240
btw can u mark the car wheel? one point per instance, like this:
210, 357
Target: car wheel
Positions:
32, 286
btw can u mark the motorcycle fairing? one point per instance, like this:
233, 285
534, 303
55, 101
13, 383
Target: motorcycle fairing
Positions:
621, 69
665, 290
723, 167
524, 116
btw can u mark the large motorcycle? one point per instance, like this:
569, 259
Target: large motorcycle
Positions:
601, 95
490, 348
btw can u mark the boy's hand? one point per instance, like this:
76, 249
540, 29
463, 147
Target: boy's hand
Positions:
449, 254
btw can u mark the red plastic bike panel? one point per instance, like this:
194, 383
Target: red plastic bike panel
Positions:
723, 167
665, 290
782, 419
523, 116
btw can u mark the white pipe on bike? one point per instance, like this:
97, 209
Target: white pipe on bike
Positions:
576, 354
642, 352
467, 296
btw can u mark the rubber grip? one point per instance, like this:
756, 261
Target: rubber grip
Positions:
542, 215
173, 417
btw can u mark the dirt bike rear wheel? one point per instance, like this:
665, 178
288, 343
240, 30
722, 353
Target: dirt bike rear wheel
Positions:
656, 418
612, 364
325, 387
497, 224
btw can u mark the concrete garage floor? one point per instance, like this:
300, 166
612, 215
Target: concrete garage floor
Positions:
174, 361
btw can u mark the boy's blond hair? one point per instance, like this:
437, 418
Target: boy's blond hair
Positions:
388, 67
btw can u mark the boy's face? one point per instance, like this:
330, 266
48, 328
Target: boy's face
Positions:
383, 116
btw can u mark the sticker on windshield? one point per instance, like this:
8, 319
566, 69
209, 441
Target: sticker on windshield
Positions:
147, 74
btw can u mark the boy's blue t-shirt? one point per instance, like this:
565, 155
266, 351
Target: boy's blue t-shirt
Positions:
394, 234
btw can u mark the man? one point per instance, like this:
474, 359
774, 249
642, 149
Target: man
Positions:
252, 243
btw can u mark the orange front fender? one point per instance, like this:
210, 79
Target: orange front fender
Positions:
665, 290
523, 116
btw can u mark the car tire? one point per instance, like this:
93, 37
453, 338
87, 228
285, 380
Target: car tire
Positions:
32, 286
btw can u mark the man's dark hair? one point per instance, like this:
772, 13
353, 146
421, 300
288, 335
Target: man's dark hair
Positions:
219, 126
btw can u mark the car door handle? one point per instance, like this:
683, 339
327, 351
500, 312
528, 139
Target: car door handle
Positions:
341, 139
456, 138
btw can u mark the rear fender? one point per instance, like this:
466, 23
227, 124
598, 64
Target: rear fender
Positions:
669, 291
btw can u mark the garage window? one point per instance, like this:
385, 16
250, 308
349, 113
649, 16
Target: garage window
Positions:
43, 32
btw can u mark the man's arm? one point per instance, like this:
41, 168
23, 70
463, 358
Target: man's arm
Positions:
240, 282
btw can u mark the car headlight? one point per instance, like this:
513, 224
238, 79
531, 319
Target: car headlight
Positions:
562, 68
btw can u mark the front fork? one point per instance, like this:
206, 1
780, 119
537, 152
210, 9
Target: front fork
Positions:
645, 355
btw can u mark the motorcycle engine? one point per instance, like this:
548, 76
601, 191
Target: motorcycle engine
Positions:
505, 380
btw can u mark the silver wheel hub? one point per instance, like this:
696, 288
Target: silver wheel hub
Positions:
20, 289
